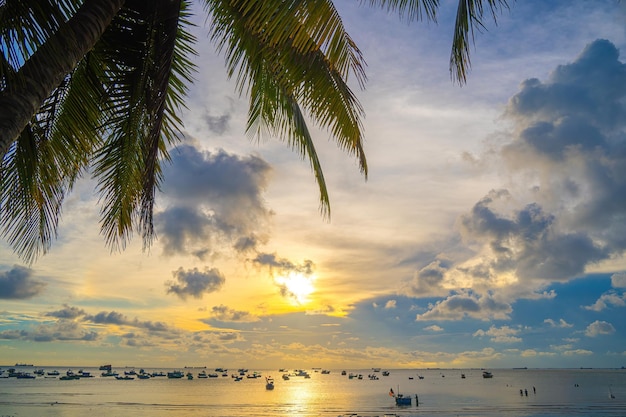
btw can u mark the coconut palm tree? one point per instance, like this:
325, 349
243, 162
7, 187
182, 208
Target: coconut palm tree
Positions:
96, 86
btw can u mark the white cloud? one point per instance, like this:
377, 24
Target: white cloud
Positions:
598, 328
606, 300
561, 323
618, 280
504, 334
434, 328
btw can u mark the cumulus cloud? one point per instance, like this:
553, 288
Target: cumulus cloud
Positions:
195, 283
18, 284
618, 280
467, 305
504, 334
434, 328
606, 300
598, 328
67, 313
429, 279
212, 198
561, 210
390, 304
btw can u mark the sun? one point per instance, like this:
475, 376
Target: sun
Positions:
296, 286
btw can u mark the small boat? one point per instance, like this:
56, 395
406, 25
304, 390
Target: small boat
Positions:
401, 399
124, 378
462, 376
109, 373
143, 376
487, 374
189, 375
105, 368
53, 373
269, 383
385, 373
202, 375
286, 377
25, 375
175, 374
69, 377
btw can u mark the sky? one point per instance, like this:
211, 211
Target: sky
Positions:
490, 232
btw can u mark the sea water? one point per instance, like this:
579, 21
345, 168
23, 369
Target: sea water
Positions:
441, 392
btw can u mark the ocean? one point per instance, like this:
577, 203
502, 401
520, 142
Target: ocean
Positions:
441, 392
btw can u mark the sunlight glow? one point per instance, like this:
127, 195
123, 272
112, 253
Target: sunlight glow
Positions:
296, 286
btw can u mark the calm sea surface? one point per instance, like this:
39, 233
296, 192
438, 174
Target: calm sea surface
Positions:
582, 392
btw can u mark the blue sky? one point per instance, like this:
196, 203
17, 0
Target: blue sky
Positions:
490, 232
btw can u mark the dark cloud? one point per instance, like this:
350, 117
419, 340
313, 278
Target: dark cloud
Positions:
18, 284
67, 312
224, 313
212, 197
217, 124
111, 317
530, 243
429, 279
467, 305
283, 266
62, 330
195, 283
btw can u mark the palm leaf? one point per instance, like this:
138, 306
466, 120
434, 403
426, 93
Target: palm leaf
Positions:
146, 47
292, 55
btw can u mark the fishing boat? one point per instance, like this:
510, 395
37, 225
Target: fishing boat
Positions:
269, 383
175, 374
401, 399
487, 374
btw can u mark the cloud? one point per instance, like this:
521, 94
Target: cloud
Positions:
224, 313
390, 304
67, 313
283, 266
195, 283
19, 284
434, 328
606, 300
430, 279
598, 328
212, 198
561, 323
578, 352
504, 334
467, 305
618, 280
561, 210
62, 330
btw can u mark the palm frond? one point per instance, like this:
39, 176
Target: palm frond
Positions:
409, 9
147, 48
469, 17
292, 55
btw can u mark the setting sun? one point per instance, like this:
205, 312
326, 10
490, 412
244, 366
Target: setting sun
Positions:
296, 286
